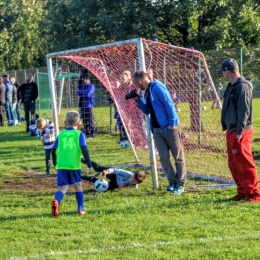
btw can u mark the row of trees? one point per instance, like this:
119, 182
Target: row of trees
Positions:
30, 29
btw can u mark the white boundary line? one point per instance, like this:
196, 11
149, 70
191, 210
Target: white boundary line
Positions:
135, 245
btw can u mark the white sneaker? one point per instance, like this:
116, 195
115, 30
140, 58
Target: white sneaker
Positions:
15, 122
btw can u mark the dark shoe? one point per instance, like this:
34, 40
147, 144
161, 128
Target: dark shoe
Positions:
237, 197
55, 208
171, 187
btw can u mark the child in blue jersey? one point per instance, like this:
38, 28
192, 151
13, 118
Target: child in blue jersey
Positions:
66, 156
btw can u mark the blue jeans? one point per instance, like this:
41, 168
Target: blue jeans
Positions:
16, 109
9, 111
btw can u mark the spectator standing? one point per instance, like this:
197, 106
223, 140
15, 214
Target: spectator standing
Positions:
46, 131
165, 127
86, 92
2, 101
237, 121
28, 92
16, 105
10, 99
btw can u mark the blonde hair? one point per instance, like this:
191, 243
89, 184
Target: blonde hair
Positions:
72, 118
40, 123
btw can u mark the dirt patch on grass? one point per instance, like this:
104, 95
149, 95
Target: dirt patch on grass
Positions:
34, 181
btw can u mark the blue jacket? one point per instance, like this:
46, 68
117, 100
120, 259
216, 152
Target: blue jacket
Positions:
162, 104
87, 91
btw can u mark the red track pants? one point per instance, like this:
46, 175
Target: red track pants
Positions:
241, 163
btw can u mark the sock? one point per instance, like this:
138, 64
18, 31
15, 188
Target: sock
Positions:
59, 196
80, 200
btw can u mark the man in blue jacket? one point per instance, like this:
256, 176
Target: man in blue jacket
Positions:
86, 92
165, 127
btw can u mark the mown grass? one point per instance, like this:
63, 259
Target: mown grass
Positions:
124, 224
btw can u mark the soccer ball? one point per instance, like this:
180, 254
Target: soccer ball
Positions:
204, 108
124, 144
101, 185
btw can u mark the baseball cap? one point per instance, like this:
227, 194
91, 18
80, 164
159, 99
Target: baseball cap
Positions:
5, 75
228, 64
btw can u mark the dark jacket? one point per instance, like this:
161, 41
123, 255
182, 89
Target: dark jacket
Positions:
2, 93
237, 106
28, 92
86, 92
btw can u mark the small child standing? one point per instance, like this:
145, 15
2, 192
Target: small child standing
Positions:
66, 156
46, 131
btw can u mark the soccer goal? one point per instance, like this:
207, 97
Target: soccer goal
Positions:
185, 73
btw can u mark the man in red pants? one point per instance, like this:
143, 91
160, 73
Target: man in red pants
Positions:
237, 121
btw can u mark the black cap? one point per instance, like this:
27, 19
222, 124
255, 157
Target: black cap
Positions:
5, 75
228, 64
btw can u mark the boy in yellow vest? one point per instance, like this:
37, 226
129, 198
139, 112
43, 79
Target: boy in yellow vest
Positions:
66, 156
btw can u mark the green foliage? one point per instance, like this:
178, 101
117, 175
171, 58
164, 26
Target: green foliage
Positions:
21, 45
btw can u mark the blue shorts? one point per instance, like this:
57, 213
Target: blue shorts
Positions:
68, 177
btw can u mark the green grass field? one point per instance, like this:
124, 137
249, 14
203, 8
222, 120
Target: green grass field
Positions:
123, 224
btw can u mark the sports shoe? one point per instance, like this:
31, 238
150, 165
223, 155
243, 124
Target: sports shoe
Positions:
15, 122
237, 197
252, 199
82, 212
178, 191
170, 187
55, 208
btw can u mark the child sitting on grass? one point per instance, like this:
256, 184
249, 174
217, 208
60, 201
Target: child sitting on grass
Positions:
46, 131
66, 156
118, 178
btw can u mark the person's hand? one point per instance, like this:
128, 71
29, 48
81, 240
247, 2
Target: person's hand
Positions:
90, 171
172, 127
239, 137
121, 186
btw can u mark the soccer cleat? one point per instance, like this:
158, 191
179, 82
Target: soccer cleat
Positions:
238, 197
55, 208
178, 191
82, 212
170, 187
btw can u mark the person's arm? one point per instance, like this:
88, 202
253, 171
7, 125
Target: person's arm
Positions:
163, 96
35, 93
85, 152
244, 99
143, 106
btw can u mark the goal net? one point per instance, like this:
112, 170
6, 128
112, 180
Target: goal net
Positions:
183, 70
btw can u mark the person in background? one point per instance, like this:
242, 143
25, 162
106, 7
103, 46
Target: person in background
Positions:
2, 102
165, 126
10, 99
66, 156
215, 98
86, 93
237, 121
16, 106
46, 131
28, 92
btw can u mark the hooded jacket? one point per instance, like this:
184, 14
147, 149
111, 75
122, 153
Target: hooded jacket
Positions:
162, 104
237, 106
